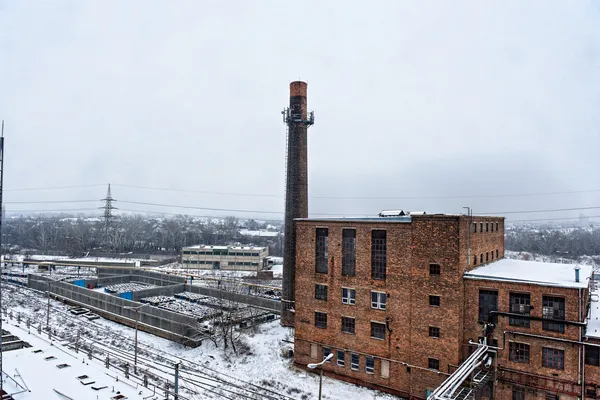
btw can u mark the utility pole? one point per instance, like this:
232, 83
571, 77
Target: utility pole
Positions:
177, 381
1, 186
137, 319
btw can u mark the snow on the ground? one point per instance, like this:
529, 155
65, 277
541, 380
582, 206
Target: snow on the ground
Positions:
262, 365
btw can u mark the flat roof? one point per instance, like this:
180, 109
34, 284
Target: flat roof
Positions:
532, 272
47, 381
593, 323
394, 219
207, 247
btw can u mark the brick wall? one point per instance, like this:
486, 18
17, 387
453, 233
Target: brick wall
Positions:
411, 248
572, 361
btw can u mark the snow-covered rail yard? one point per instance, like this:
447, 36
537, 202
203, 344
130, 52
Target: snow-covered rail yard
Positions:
258, 372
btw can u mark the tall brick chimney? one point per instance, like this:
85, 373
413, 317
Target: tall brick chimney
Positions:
297, 120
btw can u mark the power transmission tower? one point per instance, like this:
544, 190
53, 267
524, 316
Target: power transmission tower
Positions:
108, 216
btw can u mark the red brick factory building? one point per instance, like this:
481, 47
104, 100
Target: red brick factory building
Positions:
402, 299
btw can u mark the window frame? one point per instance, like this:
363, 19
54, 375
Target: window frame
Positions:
553, 322
350, 300
553, 358
378, 325
326, 352
340, 361
378, 304
320, 314
516, 302
323, 294
482, 307
353, 325
378, 254
518, 393
519, 352
435, 269
322, 250
434, 332
369, 369
348, 252
435, 362
592, 355
354, 366
439, 300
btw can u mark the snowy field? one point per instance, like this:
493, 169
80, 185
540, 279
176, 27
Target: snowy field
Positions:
208, 372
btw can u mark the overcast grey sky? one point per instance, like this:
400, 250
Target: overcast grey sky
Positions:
412, 99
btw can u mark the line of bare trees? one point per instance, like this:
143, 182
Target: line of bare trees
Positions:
572, 242
137, 234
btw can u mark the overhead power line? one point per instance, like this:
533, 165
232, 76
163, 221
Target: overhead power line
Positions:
52, 188
503, 195
540, 211
50, 201
552, 219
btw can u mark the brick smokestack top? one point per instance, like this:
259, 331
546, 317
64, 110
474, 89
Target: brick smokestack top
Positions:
296, 198
298, 88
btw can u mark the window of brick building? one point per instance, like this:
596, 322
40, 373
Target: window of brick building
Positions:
320, 319
487, 227
348, 252
378, 254
434, 331
322, 250
487, 256
553, 358
434, 301
378, 300
348, 325
488, 302
520, 303
433, 363
553, 308
518, 352
354, 362
475, 227
321, 292
492, 226
551, 396
475, 259
492, 255
348, 296
481, 258
592, 355
481, 227
434, 269
496, 253
518, 393
341, 358
496, 227
326, 352
377, 330
369, 365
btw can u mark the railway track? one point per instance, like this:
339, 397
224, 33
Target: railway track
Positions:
196, 380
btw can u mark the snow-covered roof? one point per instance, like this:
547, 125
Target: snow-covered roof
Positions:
261, 233
536, 273
206, 247
45, 380
593, 323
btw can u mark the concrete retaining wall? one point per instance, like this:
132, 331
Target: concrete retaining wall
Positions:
159, 291
268, 304
183, 328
